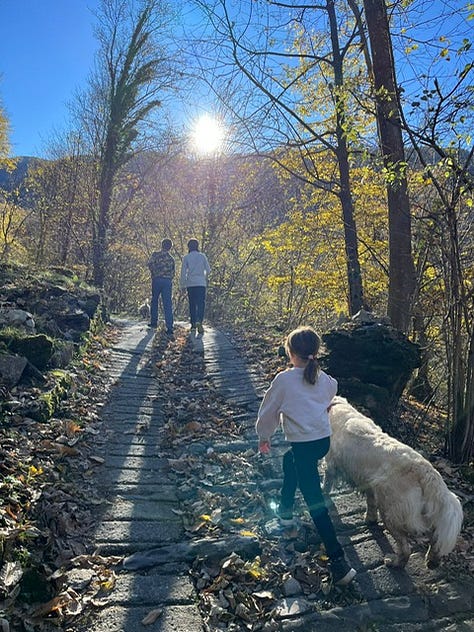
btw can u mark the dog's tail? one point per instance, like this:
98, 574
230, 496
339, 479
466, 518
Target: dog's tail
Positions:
447, 530
444, 511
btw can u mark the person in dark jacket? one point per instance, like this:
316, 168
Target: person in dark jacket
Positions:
162, 268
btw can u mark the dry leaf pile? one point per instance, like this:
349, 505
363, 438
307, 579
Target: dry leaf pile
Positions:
222, 499
46, 501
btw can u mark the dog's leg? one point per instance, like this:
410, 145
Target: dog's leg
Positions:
371, 515
329, 476
402, 550
328, 483
432, 558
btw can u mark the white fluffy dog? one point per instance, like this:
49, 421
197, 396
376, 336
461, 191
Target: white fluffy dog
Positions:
144, 310
404, 487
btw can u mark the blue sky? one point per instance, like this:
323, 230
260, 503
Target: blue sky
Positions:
46, 51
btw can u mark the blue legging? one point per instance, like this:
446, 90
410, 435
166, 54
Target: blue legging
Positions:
197, 303
300, 469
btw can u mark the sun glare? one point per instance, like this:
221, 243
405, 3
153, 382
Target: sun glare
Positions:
208, 134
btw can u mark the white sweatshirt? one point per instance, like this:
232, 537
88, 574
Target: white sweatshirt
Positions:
194, 269
300, 407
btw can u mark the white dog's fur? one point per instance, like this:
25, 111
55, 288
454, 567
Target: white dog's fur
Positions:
144, 310
410, 495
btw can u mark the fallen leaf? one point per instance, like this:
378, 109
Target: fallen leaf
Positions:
152, 616
97, 459
65, 450
72, 427
74, 607
11, 573
54, 604
193, 426
34, 471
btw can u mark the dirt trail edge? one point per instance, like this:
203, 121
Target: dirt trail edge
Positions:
145, 481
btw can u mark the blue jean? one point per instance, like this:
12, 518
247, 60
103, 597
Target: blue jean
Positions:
197, 303
161, 286
300, 469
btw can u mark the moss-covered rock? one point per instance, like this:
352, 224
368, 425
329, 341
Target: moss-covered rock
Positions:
48, 403
61, 305
37, 348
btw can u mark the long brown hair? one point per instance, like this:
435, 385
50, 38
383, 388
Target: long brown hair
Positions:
304, 342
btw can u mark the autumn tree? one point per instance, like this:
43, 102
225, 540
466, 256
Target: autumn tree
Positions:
438, 122
290, 87
13, 222
303, 255
12, 216
132, 75
60, 191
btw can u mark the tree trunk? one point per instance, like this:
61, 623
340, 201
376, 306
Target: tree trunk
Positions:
100, 246
460, 353
354, 276
401, 269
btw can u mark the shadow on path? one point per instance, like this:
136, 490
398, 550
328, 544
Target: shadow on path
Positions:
140, 505
141, 512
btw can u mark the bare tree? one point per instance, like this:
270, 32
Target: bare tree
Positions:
276, 102
133, 73
59, 190
4, 134
440, 135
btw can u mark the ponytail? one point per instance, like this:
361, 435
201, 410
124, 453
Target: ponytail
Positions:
311, 370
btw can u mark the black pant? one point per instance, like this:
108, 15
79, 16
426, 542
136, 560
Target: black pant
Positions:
300, 469
197, 303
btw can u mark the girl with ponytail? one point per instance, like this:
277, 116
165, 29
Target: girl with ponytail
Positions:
300, 397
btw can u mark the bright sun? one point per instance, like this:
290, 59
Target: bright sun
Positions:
208, 134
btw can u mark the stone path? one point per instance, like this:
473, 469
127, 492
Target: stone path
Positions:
142, 513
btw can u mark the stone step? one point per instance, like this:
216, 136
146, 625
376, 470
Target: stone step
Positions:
135, 535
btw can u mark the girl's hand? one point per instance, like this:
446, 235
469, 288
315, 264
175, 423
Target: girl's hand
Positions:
264, 447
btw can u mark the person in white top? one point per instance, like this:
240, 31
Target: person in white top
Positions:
299, 399
195, 272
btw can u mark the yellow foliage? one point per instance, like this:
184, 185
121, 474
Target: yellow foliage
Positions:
248, 534
35, 471
305, 259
